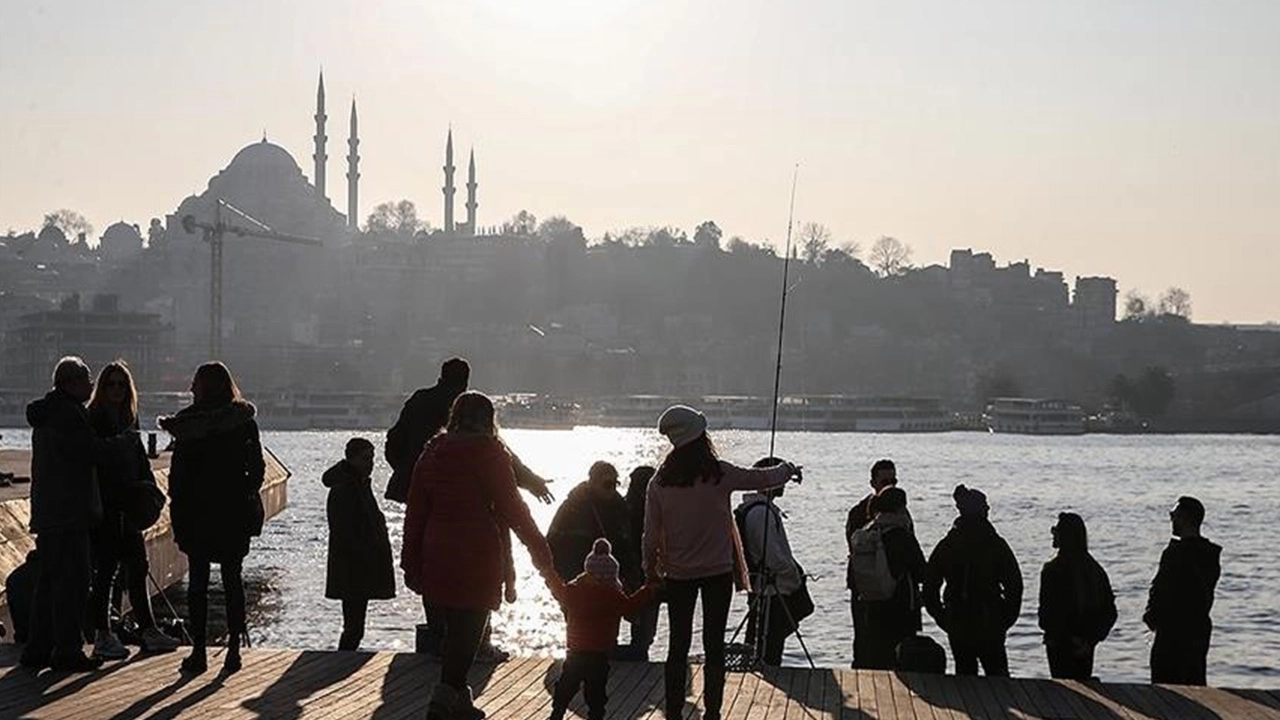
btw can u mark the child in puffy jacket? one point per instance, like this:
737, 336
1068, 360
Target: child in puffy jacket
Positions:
594, 604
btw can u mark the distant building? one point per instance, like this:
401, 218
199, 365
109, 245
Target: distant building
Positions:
120, 241
1094, 304
99, 334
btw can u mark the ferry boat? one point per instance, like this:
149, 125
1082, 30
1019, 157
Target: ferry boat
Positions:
530, 411
817, 413
1031, 416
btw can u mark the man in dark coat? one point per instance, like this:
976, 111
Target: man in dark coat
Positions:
1077, 605
1181, 598
593, 509
983, 595
360, 568
425, 414
884, 474
65, 505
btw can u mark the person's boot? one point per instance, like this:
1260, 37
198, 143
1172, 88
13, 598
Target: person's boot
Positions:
232, 663
444, 703
468, 709
197, 662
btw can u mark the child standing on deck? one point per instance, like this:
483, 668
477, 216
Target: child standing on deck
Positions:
593, 603
359, 568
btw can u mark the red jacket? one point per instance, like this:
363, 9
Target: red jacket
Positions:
462, 499
593, 609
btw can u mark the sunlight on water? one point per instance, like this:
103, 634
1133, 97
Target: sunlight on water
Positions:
1123, 486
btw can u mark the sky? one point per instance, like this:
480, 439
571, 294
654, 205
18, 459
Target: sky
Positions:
1133, 138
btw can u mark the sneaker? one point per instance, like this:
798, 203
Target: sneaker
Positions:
195, 663
108, 647
155, 641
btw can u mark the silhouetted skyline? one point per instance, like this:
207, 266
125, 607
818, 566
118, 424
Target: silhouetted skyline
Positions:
1137, 142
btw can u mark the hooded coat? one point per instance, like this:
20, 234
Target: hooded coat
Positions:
120, 467
983, 595
462, 500
360, 566
584, 516
64, 450
215, 476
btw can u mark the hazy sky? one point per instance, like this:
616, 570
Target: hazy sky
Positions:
1136, 138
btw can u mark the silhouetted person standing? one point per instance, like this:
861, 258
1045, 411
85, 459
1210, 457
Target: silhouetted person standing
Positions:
883, 474
983, 588
215, 477
1181, 598
891, 599
360, 567
1077, 605
593, 509
65, 507
644, 622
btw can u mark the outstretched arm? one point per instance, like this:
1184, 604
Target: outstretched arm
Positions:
530, 481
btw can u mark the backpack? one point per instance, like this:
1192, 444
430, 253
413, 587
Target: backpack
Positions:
740, 519
870, 565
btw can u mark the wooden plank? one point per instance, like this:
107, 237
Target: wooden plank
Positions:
766, 688
745, 697
777, 709
797, 693
904, 709
944, 698
868, 701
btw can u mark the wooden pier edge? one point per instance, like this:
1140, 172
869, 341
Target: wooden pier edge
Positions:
328, 685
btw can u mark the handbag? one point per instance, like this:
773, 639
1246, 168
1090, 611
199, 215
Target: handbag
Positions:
800, 603
143, 503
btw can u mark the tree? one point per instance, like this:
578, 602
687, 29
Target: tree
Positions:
890, 256
399, 218
666, 236
1135, 306
1177, 302
814, 239
738, 246
1148, 396
523, 223
71, 223
559, 228
707, 235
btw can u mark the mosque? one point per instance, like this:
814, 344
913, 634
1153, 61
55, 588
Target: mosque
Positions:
265, 181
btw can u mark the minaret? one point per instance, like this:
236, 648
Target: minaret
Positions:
471, 194
320, 139
448, 183
353, 174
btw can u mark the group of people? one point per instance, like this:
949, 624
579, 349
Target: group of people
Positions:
673, 537
93, 495
971, 585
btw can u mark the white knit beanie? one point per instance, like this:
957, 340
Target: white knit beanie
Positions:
682, 424
600, 564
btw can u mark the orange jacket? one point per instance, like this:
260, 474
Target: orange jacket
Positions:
593, 609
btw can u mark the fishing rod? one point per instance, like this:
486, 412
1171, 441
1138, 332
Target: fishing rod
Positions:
782, 311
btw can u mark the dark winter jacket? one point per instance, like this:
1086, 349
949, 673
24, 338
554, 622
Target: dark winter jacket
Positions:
581, 518
462, 500
899, 616
424, 414
122, 465
635, 499
64, 449
859, 516
593, 609
983, 595
215, 476
1182, 592
360, 566
1076, 600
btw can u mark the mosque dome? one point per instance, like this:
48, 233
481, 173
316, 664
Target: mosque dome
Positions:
120, 240
264, 157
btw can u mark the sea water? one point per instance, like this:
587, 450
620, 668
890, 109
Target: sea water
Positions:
1123, 486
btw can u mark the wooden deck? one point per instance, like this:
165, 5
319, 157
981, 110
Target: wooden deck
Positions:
292, 685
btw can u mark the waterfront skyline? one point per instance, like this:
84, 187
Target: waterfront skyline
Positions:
1135, 142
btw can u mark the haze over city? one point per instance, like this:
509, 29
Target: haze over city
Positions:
1136, 141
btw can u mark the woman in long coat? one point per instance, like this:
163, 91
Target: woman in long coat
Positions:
215, 476
462, 499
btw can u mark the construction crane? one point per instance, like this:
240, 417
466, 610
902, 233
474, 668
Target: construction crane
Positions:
213, 234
